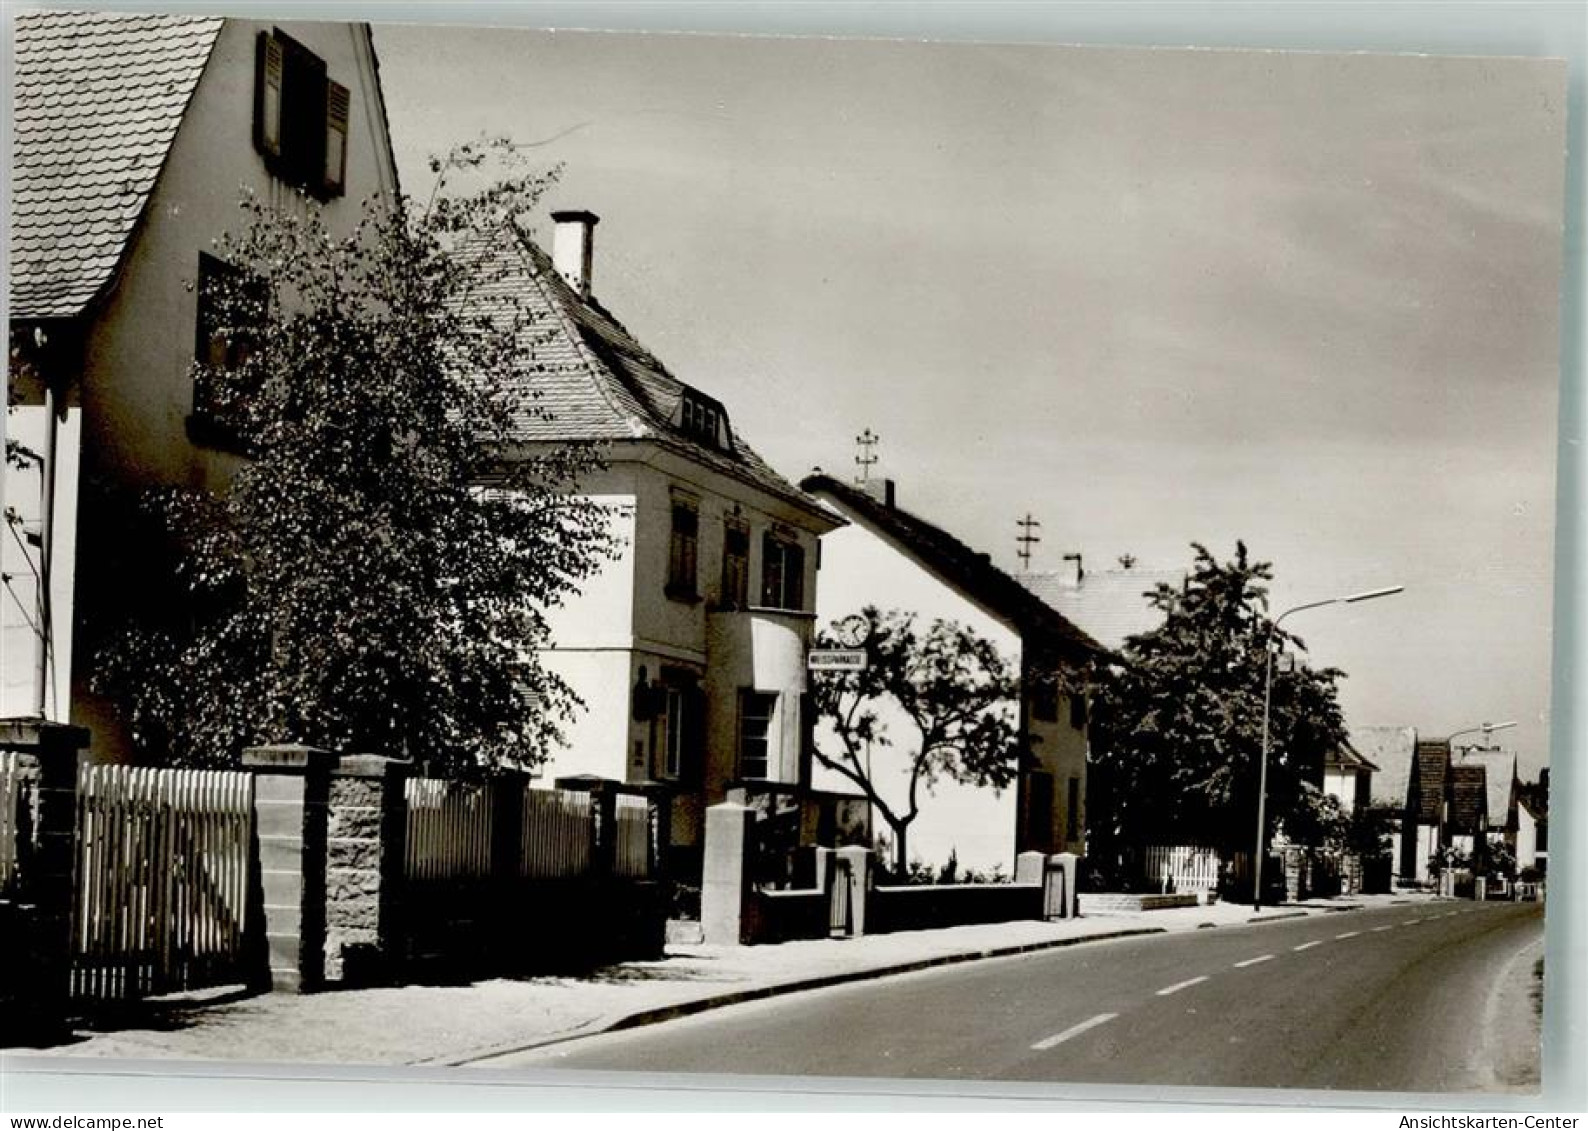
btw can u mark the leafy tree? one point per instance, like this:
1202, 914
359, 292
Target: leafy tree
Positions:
947, 688
376, 574
1176, 728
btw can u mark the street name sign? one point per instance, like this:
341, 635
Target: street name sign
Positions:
836, 660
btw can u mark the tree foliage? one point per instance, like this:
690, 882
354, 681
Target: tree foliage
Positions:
376, 573
1177, 723
949, 690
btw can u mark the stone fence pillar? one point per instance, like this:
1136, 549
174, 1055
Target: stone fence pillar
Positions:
604, 823
291, 811
38, 947
366, 831
725, 875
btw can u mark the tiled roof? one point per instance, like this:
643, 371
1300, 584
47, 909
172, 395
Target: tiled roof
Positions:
1467, 798
1109, 605
955, 563
99, 98
1433, 760
595, 382
1501, 773
1392, 750
1345, 757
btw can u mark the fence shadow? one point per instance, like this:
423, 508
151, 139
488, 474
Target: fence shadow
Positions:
161, 1015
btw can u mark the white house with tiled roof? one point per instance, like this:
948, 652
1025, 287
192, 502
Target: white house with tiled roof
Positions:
134, 137
688, 648
891, 557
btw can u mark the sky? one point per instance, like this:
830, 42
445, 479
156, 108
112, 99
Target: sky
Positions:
1151, 297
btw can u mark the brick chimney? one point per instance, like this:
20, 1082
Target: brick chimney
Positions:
573, 247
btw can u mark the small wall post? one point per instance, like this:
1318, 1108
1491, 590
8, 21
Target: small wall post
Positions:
291, 811
859, 859
1068, 864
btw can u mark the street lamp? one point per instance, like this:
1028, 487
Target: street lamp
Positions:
1486, 728
1268, 690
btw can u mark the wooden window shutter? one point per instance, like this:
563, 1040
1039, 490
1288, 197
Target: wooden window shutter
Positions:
337, 100
270, 69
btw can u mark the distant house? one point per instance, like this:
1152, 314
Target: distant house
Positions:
1467, 812
134, 135
1500, 789
1427, 815
1393, 752
688, 648
1109, 605
1532, 835
891, 557
1348, 778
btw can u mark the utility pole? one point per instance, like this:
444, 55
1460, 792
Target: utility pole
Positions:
867, 442
1025, 539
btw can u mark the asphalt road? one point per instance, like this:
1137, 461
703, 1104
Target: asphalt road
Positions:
1429, 996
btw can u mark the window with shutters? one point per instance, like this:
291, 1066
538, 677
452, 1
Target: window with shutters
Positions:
300, 116
782, 572
231, 312
683, 550
735, 566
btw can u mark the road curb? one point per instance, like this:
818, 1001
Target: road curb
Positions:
658, 1014
1278, 918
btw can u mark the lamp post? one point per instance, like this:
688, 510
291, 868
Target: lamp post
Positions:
1268, 692
1486, 728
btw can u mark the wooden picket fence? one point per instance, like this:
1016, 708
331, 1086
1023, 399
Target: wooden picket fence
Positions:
163, 862
632, 856
1180, 867
18, 801
556, 834
449, 830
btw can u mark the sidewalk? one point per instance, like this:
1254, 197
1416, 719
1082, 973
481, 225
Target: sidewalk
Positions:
455, 1025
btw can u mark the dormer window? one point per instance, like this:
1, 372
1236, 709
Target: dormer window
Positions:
300, 116
703, 419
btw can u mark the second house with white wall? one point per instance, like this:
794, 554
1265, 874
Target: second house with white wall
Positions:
688, 647
890, 558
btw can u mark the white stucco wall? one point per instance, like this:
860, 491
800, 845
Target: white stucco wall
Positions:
134, 389
859, 568
21, 491
1340, 784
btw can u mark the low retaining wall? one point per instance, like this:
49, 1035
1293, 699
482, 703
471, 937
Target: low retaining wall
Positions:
782, 916
950, 905
1114, 902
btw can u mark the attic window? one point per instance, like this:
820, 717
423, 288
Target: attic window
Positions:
704, 419
300, 116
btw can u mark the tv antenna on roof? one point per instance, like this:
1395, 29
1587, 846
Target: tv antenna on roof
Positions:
1025, 539
867, 456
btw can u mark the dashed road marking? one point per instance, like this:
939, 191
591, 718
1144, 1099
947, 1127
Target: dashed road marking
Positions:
1348, 935
1308, 945
1178, 986
1074, 1031
1411, 922
1450, 914
1254, 961
1386, 927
